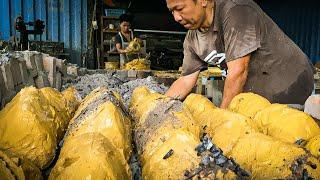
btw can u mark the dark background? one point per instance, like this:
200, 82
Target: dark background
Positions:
299, 19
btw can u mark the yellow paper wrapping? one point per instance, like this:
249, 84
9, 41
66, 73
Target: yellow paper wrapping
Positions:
183, 157
264, 156
59, 109
31, 171
210, 115
276, 120
73, 99
9, 169
32, 123
248, 104
105, 117
286, 124
89, 156
137, 64
163, 126
111, 65
212, 71
99, 121
135, 46
314, 146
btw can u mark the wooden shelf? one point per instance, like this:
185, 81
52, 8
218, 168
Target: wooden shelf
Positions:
106, 35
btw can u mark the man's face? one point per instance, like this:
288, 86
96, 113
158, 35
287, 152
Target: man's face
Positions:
125, 26
188, 13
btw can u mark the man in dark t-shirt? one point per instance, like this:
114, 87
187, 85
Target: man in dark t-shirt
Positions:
260, 58
122, 39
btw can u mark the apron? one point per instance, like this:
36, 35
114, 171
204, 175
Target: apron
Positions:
123, 57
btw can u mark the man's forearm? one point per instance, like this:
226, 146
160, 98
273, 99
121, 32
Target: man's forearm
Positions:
237, 75
183, 86
232, 87
179, 89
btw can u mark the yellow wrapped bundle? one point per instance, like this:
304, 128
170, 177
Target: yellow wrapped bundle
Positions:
183, 157
59, 105
9, 169
212, 71
32, 123
138, 103
268, 158
276, 120
89, 156
100, 121
17, 168
111, 65
73, 99
263, 156
248, 104
165, 134
103, 116
286, 124
135, 46
228, 132
31, 171
314, 146
201, 106
137, 64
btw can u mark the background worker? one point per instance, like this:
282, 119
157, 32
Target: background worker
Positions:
260, 58
123, 38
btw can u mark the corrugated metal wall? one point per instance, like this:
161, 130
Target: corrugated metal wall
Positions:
65, 20
300, 20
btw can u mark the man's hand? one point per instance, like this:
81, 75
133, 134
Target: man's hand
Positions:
236, 78
183, 86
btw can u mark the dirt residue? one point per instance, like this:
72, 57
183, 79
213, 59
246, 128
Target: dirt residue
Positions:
158, 117
112, 81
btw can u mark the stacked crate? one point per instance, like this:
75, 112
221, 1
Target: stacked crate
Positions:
29, 68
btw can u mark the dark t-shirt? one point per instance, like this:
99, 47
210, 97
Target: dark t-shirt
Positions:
278, 69
118, 39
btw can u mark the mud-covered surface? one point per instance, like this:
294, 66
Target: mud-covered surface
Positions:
212, 158
87, 83
163, 115
212, 161
127, 88
107, 95
113, 81
298, 168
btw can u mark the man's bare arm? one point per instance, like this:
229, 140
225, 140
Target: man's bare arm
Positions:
236, 78
183, 86
120, 50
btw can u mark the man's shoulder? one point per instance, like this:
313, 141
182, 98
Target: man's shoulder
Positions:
117, 35
117, 38
232, 3
224, 6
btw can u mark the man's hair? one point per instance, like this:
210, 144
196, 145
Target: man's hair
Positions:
125, 18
